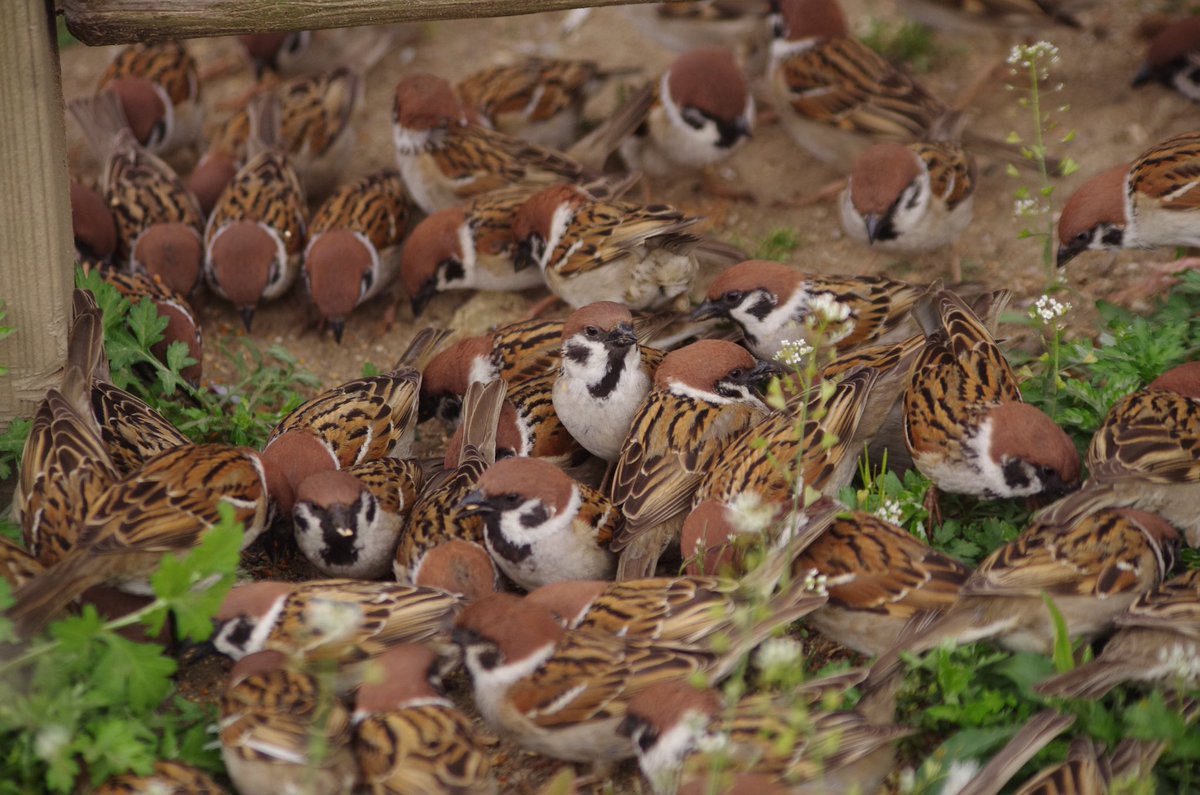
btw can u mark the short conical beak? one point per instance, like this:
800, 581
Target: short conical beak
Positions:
423, 297
872, 221
475, 502
339, 328
706, 310
247, 317
622, 336
1144, 75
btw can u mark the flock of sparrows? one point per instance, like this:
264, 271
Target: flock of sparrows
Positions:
607, 471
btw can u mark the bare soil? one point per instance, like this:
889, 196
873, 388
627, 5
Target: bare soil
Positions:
1112, 122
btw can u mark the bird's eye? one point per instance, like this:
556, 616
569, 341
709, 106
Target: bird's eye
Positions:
737, 375
1082, 237
512, 499
592, 332
294, 42
733, 297
489, 658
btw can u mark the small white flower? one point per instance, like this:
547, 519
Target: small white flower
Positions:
779, 653
826, 310
960, 775
816, 582
1026, 206
50, 740
890, 511
750, 514
1049, 310
792, 353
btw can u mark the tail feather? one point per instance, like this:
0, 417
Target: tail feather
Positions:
265, 120
481, 414
1090, 681
42, 598
421, 348
778, 562
717, 254
1023, 746
103, 122
594, 148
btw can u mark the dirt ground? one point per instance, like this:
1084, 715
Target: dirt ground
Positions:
1112, 122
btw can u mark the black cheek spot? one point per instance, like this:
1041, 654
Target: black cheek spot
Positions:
761, 308
241, 633
514, 553
1016, 474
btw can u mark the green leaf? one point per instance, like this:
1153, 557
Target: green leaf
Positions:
1064, 660
116, 746
134, 673
193, 586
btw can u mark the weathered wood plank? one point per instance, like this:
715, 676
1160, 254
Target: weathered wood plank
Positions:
36, 247
125, 21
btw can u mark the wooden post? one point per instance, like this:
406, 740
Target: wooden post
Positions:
36, 245
125, 21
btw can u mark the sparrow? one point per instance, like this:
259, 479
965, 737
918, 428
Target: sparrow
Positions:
354, 246
702, 113
359, 421
812, 443
1156, 641
788, 740
836, 96
281, 732
182, 325
878, 577
470, 245
159, 89
445, 159
65, 468
909, 198
132, 431
167, 778
1023, 746
590, 249
92, 226
17, 566
739, 25
541, 526
1172, 58
603, 378
1092, 571
1144, 205
702, 398
409, 739
513, 353
158, 221
346, 622
348, 521
563, 693
315, 130
772, 303
1143, 455
539, 100
965, 424
443, 546
255, 236
297, 52
164, 507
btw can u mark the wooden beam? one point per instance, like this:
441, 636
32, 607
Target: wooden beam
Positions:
126, 21
36, 246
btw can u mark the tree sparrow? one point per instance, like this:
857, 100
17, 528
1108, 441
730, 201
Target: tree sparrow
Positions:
670, 722
1143, 455
132, 432
409, 739
345, 622
443, 546
168, 777
1172, 58
159, 89
964, 422
702, 113
1150, 203
359, 421
536, 99
589, 249
878, 577
445, 159
982, 15
836, 96
354, 246
348, 522
563, 693
255, 236
702, 397
909, 198
281, 734
164, 507
92, 226
1156, 641
158, 221
17, 566
542, 526
604, 376
1093, 571
772, 303
513, 353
